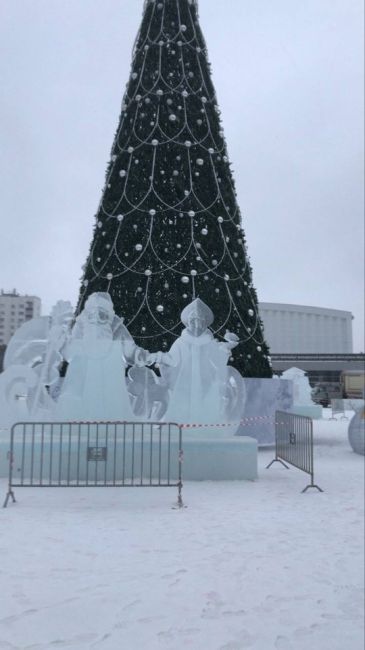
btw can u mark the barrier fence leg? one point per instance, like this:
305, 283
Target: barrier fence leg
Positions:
180, 503
278, 422
277, 460
312, 485
10, 493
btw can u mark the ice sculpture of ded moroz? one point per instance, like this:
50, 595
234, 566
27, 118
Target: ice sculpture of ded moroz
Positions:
98, 352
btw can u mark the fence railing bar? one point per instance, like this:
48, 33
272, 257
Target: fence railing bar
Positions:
51, 454
106, 459
133, 448
151, 451
42, 452
60, 456
69, 453
159, 453
306, 442
124, 434
180, 485
115, 454
142, 436
79, 428
95, 461
87, 459
168, 453
32, 455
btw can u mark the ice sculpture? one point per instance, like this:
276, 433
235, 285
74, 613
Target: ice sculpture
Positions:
301, 387
148, 393
356, 432
302, 394
98, 352
196, 384
15, 385
31, 365
203, 389
263, 398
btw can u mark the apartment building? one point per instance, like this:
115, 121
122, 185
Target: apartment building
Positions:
14, 311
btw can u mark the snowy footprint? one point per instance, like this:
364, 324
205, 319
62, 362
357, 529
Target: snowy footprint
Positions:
283, 643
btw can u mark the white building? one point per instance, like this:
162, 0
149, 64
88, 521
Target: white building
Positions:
300, 329
14, 311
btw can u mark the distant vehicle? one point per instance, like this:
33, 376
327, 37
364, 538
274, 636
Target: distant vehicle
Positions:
350, 386
323, 392
353, 384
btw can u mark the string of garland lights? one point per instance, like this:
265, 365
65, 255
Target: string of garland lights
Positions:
168, 227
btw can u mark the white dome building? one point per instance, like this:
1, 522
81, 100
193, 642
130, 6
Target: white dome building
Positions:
300, 329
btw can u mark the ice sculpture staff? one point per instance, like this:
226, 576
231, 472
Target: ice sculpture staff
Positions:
196, 371
99, 349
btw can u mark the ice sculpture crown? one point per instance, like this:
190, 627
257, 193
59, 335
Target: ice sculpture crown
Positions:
197, 309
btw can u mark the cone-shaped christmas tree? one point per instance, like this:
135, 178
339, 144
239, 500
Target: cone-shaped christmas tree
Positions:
168, 228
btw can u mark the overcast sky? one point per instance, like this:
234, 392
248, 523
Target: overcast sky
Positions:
289, 81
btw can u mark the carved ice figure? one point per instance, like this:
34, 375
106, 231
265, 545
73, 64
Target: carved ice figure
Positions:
15, 385
31, 362
203, 388
302, 392
98, 352
148, 393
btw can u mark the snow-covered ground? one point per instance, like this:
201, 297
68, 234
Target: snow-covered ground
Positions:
253, 565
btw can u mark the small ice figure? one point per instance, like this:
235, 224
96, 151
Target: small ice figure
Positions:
302, 392
148, 393
98, 352
34, 353
203, 389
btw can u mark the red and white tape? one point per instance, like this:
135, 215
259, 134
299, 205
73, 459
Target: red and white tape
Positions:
254, 420
258, 419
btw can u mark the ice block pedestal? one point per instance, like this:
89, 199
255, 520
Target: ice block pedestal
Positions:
313, 411
220, 459
216, 459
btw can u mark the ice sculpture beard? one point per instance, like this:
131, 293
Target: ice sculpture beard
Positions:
97, 324
98, 317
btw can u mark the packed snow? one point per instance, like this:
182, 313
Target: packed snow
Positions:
255, 565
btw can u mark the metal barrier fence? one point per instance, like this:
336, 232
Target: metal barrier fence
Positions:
95, 454
338, 408
294, 443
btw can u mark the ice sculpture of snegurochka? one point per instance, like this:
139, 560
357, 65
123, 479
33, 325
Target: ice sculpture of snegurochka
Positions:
196, 384
203, 388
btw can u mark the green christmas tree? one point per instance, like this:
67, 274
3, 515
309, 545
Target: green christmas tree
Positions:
168, 227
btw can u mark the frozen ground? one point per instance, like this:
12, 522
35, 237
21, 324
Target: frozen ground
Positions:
246, 565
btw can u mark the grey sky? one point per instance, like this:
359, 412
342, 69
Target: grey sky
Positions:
289, 80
